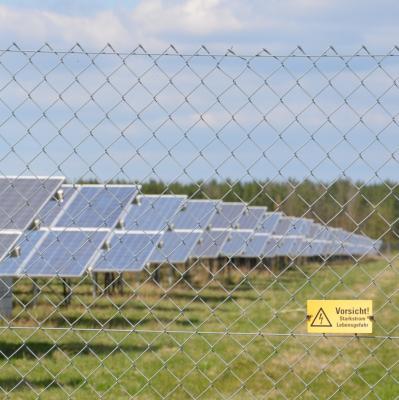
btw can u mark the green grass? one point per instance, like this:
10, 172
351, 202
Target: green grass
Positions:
143, 344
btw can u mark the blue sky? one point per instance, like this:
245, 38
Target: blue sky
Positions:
187, 149
245, 25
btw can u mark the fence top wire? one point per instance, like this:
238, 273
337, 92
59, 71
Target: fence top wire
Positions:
203, 51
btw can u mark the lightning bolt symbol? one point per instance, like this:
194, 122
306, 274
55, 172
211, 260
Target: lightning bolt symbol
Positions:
321, 318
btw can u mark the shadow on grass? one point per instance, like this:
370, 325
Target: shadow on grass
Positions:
135, 305
204, 298
93, 321
35, 349
12, 385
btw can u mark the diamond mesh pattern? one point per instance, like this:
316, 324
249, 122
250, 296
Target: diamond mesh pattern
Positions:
311, 136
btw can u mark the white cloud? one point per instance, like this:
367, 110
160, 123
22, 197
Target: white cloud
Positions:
194, 17
219, 24
34, 26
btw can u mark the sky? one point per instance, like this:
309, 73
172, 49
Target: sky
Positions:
185, 147
220, 24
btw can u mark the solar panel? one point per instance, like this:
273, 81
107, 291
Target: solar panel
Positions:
53, 208
210, 243
283, 225
236, 244
63, 253
297, 247
269, 223
22, 198
195, 214
177, 247
299, 226
256, 245
295, 227
7, 240
227, 215
153, 212
272, 246
302, 247
129, 251
10, 265
96, 206
285, 245
306, 225
252, 217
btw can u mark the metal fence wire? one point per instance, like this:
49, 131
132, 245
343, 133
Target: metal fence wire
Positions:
165, 217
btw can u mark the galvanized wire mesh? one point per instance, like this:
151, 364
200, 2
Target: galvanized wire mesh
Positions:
314, 136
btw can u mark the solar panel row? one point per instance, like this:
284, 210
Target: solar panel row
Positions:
75, 225
152, 229
21, 200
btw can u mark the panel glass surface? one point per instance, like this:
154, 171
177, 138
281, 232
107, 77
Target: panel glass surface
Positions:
177, 247
236, 244
21, 199
153, 213
256, 245
53, 207
227, 215
296, 227
64, 253
97, 206
9, 266
272, 246
269, 222
129, 252
252, 217
196, 214
7, 240
283, 225
210, 244
284, 246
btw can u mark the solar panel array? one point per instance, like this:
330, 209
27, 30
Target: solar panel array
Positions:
49, 229
21, 200
75, 223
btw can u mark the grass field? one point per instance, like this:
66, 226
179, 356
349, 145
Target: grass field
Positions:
212, 340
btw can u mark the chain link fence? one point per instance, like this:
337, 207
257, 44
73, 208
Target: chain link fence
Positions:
140, 210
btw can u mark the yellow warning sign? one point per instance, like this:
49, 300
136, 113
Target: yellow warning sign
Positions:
340, 316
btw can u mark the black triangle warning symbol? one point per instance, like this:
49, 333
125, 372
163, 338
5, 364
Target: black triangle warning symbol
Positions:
321, 320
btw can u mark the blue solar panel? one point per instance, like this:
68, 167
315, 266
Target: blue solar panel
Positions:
256, 245
283, 225
7, 241
312, 231
298, 226
302, 247
53, 208
95, 206
9, 266
153, 212
307, 223
63, 253
210, 243
236, 244
129, 251
269, 223
252, 217
297, 247
272, 246
284, 246
310, 247
227, 215
21, 199
196, 214
176, 247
